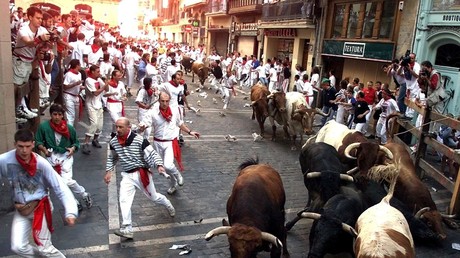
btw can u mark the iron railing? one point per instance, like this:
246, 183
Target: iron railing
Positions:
287, 10
243, 3
217, 6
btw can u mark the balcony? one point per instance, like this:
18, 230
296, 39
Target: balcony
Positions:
244, 6
217, 8
287, 10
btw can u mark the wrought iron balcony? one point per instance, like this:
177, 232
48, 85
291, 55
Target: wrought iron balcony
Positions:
287, 10
243, 6
217, 7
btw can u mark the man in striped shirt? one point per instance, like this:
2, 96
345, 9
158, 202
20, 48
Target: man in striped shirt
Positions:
136, 156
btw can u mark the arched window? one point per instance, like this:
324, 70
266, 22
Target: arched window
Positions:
448, 55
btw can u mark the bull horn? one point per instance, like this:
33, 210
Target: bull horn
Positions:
387, 151
321, 113
347, 177
419, 213
252, 103
349, 148
313, 175
352, 171
270, 96
453, 216
349, 229
272, 239
216, 232
310, 215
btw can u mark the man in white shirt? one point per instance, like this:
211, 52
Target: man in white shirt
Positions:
166, 123
72, 86
95, 87
131, 59
79, 48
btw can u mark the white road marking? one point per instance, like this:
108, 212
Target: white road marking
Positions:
114, 216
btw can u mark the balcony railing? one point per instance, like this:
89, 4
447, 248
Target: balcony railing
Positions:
217, 7
239, 6
287, 10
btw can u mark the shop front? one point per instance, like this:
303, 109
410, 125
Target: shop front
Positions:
294, 43
437, 39
364, 60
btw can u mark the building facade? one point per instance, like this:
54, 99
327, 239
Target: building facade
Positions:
437, 39
362, 36
218, 27
288, 29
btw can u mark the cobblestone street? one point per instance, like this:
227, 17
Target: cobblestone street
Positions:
210, 169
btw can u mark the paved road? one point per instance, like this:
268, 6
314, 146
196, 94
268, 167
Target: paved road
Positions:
210, 170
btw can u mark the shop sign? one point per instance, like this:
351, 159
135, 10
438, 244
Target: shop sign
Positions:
354, 49
444, 18
188, 28
368, 50
290, 33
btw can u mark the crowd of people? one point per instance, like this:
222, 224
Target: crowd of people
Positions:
97, 68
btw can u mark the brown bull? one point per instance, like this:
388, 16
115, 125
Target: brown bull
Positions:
201, 70
187, 64
256, 213
409, 189
259, 104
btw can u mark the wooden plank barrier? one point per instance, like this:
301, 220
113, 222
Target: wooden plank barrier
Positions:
426, 140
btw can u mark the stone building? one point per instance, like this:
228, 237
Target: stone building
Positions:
437, 39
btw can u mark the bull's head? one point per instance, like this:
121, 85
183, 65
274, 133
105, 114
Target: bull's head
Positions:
279, 100
433, 219
306, 116
368, 154
203, 74
244, 241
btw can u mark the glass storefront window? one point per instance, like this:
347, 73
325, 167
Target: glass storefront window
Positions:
338, 21
353, 20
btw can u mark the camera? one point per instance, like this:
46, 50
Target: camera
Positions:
424, 72
46, 56
405, 61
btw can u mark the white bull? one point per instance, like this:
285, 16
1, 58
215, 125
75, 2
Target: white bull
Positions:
297, 119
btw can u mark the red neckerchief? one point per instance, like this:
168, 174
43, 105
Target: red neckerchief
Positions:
166, 114
31, 167
95, 48
182, 82
173, 83
97, 85
113, 83
61, 128
144, 174
74, 71
122, 140
150, 92
58, 168
43, 208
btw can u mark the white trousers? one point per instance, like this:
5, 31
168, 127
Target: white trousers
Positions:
66, 163
339, 118
142, 113
130, 74
96, 121
21, 231
226, 94
128, 185
72, 105
165, 150
272, 86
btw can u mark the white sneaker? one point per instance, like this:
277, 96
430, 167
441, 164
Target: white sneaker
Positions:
180, 179
125, 231
33, 110
171, 190
171, 210
25, 113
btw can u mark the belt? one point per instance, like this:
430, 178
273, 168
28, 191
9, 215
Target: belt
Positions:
71, 94
134, 170
161, 140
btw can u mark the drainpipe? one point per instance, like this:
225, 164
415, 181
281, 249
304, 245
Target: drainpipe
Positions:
320, 35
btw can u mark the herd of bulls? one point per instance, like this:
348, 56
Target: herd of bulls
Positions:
347, 178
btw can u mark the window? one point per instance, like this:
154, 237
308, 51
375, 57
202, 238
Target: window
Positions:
372, 19
338, 21
448, 55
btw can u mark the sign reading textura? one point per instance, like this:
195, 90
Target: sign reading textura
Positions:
354, 49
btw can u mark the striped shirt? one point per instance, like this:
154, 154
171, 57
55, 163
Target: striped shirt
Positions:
137, 153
